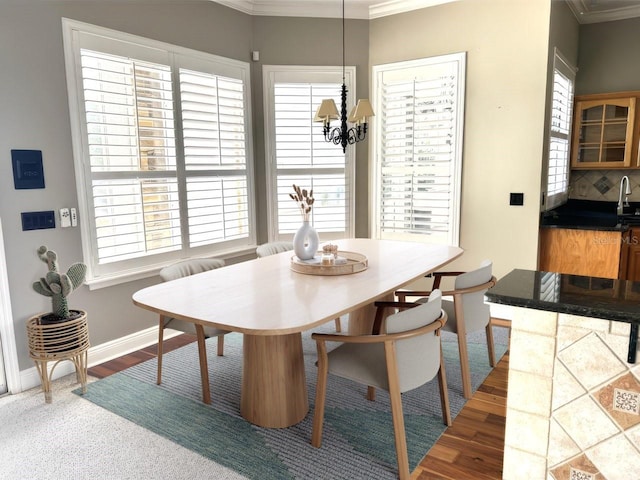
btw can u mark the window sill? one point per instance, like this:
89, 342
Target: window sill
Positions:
105, 281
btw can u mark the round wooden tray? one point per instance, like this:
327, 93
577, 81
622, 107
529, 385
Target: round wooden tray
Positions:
353, 263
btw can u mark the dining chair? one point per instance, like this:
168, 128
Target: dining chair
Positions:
173, 272
406, 357
273, 248
467, 312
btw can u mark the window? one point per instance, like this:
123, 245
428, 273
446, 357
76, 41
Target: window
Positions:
162, 151
298, 154
418, 149
559, 132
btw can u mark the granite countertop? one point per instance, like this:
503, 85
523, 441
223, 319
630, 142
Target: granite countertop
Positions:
603, 298
591, 215
594, 297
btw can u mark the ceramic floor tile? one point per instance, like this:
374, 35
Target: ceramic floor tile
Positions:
579, 468
527, 432
523, 387
585, 422
586, 323
531, 353
567, 336
591, 361
561, 447
565, 387
616, 458
633, 434
621, 400
519, 465
619, 344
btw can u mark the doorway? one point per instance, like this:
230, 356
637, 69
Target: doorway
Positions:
9, 370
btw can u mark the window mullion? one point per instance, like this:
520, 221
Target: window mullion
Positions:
181, 173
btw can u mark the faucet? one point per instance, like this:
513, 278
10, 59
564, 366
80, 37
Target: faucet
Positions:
626, 191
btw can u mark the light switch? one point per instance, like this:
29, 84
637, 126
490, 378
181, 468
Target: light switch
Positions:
74, 217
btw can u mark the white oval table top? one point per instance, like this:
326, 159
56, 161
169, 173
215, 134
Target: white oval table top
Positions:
265, 297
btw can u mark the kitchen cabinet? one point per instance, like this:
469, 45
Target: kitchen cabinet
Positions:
592, 253
605, 132
633, 256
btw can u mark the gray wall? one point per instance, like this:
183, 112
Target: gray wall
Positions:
608, 58
34, 114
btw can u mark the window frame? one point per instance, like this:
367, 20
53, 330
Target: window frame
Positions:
103, 275
376, 153
272, 74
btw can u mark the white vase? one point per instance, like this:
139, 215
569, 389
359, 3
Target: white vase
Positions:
305, 241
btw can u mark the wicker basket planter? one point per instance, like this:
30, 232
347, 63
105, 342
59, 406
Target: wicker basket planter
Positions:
55, 342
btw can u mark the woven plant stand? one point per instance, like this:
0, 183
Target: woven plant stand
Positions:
67, 340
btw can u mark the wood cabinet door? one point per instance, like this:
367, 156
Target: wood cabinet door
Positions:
603, 133
592, 253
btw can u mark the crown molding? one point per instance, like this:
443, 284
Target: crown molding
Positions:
586, 11
357, 9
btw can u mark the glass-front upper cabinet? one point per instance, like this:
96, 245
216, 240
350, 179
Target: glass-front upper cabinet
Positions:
603, 133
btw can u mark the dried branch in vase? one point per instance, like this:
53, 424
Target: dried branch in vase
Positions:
304, 199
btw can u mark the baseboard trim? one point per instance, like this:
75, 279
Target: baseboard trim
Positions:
104, 352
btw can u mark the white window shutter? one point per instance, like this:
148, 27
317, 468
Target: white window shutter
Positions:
557, 187
301, 156
418, 155
163, 147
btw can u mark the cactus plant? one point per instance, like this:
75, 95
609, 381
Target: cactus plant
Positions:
57, 285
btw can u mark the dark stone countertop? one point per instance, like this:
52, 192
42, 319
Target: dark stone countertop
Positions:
591, 215
603, 298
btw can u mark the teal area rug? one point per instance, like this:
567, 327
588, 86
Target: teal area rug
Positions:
358, 434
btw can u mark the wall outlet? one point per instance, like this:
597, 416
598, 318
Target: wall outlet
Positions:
65, 218
516, 199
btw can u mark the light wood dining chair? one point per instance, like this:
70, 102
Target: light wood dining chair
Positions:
173, 272
406, 357
273, 248
467, 312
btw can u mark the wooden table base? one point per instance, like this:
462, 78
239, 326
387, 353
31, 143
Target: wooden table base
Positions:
274, 388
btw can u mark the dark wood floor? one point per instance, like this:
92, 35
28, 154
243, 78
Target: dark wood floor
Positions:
471, 449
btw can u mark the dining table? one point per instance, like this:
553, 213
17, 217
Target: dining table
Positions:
272, 303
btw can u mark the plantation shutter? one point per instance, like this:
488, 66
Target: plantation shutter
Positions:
301, 156
132, 155
214, 152
418, 160
165, 151
559, 133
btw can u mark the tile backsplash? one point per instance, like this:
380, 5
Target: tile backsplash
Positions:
602, 185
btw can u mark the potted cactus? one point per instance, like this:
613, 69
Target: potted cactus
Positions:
61, 334
58, 286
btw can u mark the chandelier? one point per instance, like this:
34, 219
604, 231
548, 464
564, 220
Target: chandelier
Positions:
327, 111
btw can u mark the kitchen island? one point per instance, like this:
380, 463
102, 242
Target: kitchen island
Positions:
573, 405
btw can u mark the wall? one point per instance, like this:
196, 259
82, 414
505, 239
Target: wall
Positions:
605, 66
607, 58
507, 49
35, 115
507, 45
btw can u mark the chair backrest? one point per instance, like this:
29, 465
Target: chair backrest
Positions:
189, 267
476, 312
418, 357
272, 248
